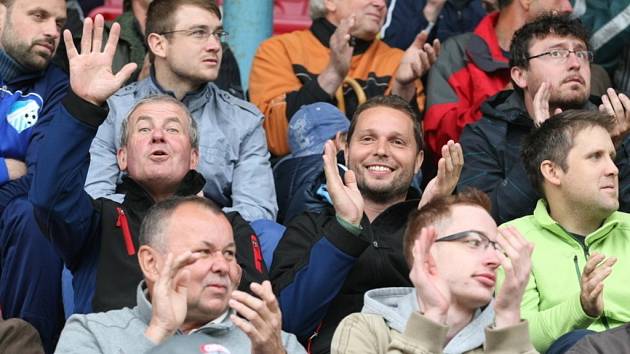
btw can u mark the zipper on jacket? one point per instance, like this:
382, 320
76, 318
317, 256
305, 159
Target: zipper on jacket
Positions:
309, 342
123, 223
579, 276
258, 258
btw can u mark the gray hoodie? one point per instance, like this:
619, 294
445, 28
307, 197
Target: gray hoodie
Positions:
396, 305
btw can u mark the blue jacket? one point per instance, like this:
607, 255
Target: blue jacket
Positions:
405, 20
27, 105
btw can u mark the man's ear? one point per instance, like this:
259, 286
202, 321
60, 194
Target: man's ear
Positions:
121, 157
525, 4
194, 158
149, 260
340, 140
418, 163
157, 44
519, 76
330, 5
551, 172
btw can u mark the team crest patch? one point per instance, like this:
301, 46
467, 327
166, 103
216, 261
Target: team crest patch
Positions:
23, 111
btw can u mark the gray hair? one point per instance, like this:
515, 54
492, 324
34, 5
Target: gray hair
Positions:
159, 216
192, 124
318, 9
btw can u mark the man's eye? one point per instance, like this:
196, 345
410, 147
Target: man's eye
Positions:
555, 54
172, 130
200, 33
473, 243
229, 254
144, 130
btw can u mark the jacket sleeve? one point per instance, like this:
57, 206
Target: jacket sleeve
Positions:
248, 252
275, 89
253, 188
62, 208
103, 172
509, 340
450, 104
511, 192
309, 268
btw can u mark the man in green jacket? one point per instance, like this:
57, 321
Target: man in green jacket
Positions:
577, 231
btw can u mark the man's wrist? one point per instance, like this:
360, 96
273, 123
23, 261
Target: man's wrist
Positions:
330, 80
506, 318
157, 334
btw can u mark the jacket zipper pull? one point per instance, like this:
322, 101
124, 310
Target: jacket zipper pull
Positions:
124, 225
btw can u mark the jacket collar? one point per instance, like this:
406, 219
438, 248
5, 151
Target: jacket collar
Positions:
144, 311
135, 194
193, 100
483, 48
322, 29
396, 305
542, 217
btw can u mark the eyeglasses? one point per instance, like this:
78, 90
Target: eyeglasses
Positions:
473, 239
561, 55
202, 34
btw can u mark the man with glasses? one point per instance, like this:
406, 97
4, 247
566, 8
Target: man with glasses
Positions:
450, 307
579, 278
184, 39
550, 70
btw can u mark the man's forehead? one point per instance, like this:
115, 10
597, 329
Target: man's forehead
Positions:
56, 8
187, 16
158, 111
553, 40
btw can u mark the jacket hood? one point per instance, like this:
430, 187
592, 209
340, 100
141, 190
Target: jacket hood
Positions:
397, 304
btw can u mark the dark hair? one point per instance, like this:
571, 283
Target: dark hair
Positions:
394, 102
159, 215
437, 210
161, 15
554, 139
545, 25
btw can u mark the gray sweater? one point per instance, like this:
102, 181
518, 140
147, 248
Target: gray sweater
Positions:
122, 331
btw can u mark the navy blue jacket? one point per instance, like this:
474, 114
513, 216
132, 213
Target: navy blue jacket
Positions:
405, 20
27, 105
320, 270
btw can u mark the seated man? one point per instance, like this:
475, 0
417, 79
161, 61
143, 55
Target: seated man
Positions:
550, 67
474, 66
187, 256
327, 260
450, 307
31, 93
577, 233
98, 239
184, 39
312, 65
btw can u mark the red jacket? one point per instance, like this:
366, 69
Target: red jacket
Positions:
470, 68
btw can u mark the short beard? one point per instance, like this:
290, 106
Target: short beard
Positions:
383, 196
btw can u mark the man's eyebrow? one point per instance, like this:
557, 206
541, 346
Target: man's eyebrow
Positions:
213, 246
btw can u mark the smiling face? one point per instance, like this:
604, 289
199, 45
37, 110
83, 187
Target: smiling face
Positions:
216, 274
471, 279
32, 30
158, 152
383, 154
570, 78
590, 181
369, 14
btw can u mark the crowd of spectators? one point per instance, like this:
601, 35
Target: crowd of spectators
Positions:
402, 176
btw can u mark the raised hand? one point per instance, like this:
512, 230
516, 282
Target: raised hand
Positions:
346, 198
597, 269
432, 292
449, 169
262, 320
340, 57
618, 106
168, 298
416, 61
91, 76
516, 262
541, 104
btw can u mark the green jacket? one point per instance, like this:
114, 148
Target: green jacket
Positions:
551, 302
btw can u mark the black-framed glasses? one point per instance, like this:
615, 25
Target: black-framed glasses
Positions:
202, 34
561, 55
473, 239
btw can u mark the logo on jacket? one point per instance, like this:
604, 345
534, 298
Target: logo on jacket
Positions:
22, 111
213, 349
